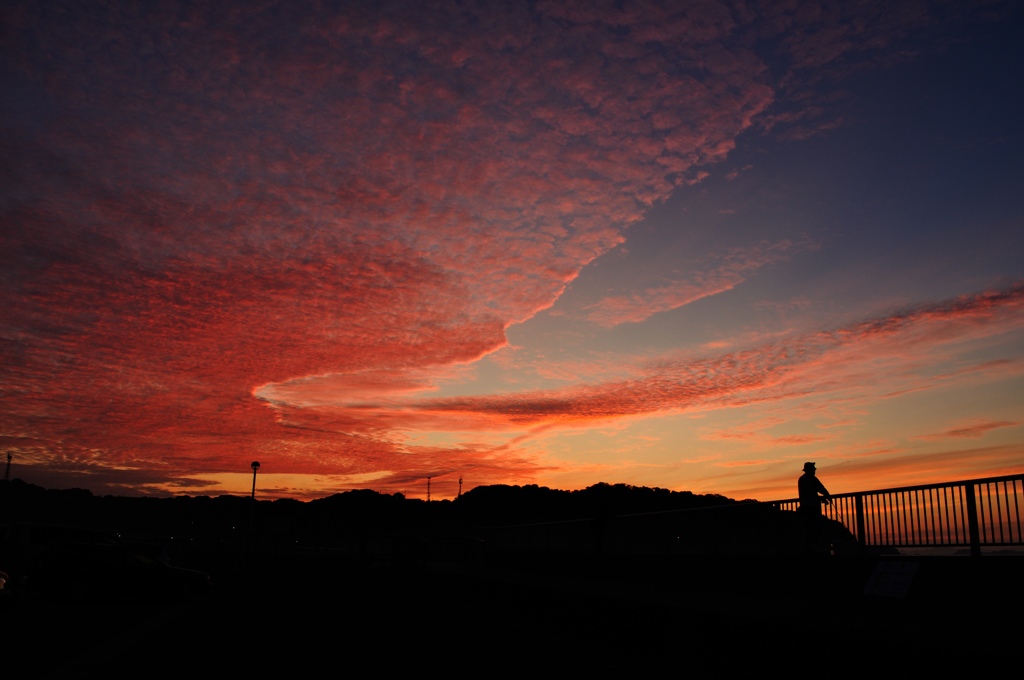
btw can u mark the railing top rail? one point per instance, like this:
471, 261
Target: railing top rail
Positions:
918, 487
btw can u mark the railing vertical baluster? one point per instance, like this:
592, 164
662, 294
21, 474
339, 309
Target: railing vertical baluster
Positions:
922, 515
926, 496
915, 516
883, 518
997, 518
987, 526
1011, 505
1011, 502
869, 520
880, 519
953, 519
908, 517
918, 535
894, 499
979, 499
908, 514
926, 525
1016, 507
883, 513
877, 519
859, 506
911, 526
887, 499
945, 506
923, 533
897, 531
871, 532
890, 516
972, 521
963, 523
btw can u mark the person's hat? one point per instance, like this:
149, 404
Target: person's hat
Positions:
808, 466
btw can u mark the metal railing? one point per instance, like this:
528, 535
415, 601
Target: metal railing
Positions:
975, 513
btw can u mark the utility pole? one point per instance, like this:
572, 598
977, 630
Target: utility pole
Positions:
428, 489
7, 475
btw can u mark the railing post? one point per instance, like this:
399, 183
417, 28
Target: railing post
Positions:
862, 539
972, 521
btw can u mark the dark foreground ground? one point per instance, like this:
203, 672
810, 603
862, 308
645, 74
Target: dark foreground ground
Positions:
660, 617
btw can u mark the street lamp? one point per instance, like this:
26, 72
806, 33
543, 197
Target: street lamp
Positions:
255, 466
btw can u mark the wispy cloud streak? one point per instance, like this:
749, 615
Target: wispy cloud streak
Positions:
858, 356
714, 274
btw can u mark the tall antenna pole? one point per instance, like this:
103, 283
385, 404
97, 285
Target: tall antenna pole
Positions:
7, 475
428, 489
460, 487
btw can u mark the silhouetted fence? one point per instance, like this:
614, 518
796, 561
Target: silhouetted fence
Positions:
974, 513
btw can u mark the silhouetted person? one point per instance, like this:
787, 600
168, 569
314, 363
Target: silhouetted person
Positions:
810, 503
810, 486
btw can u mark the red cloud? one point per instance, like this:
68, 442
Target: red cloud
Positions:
200, 214
207, 206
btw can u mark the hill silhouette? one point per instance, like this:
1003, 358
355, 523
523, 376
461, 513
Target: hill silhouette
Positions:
361, 508
221, 534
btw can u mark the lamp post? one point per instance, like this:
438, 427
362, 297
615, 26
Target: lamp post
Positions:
255, 466
252, 508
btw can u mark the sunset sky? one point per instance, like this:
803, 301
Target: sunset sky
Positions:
688, 245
